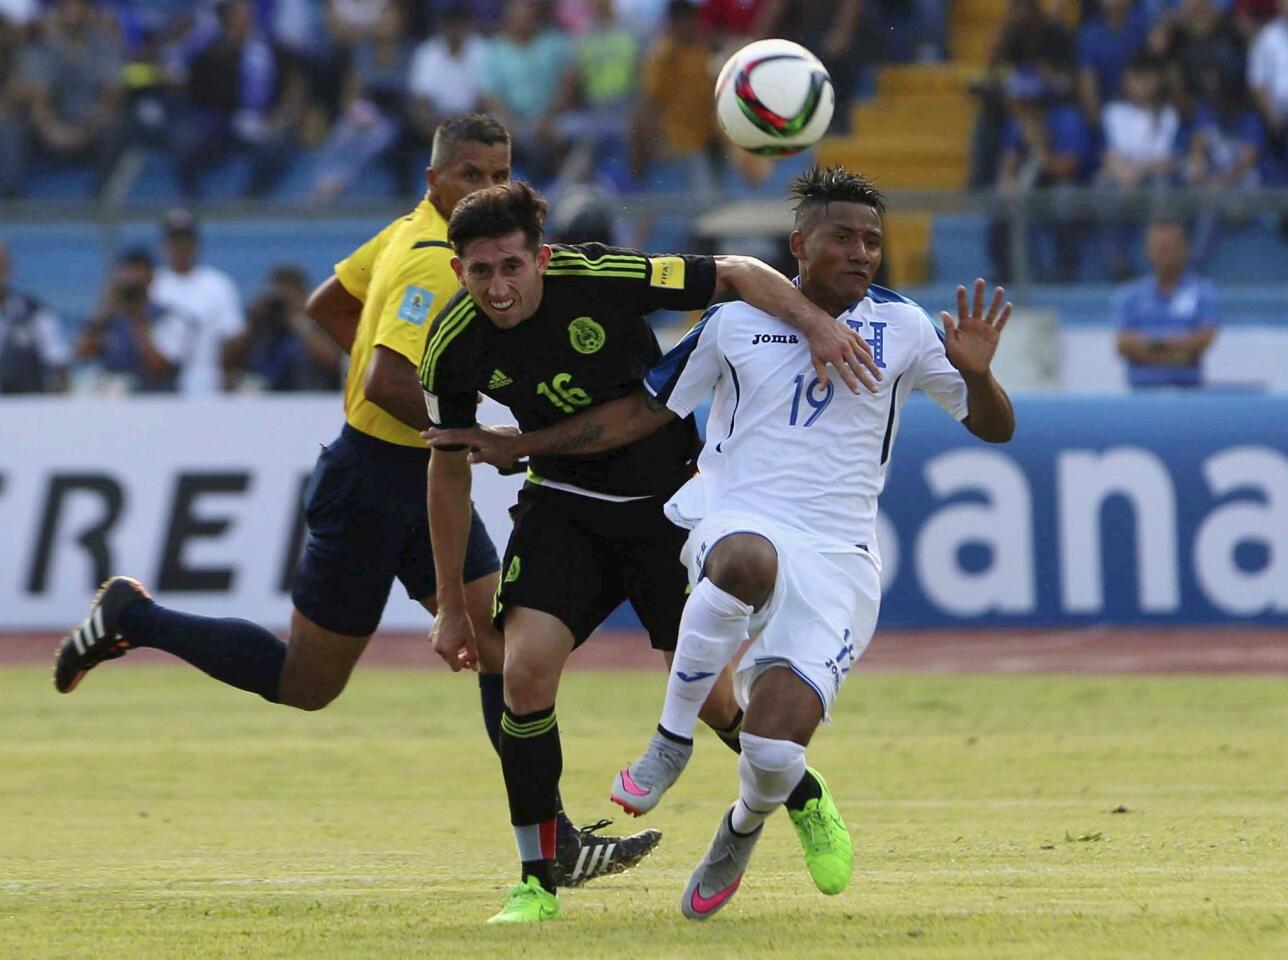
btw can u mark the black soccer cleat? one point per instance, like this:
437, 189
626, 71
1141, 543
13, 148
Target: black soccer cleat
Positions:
99, 638
581, 855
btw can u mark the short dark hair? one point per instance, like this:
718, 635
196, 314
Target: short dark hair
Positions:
497, 212
467, 127
289, 274
819, 186
136, 256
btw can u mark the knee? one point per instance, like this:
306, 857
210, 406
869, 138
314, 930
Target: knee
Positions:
745, 565
310, 697
773, 762
530, 685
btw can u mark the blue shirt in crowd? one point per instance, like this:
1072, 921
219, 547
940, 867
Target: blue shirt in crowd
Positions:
1143, 308
1108, 51
1069, 134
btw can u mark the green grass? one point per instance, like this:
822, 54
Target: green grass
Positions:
156, 814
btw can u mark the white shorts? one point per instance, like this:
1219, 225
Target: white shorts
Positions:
822, 613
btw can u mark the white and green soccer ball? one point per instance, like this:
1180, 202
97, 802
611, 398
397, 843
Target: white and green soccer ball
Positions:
774, 98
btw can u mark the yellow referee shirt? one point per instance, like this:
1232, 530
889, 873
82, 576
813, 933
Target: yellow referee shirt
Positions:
403, 276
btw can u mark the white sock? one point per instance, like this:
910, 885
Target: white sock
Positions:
712, 627
768, 771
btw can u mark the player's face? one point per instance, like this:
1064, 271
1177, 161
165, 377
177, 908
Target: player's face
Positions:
839, 250
473, 166
504, 277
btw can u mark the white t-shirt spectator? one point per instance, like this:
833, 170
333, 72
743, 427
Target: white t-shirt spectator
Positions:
450, 82
1138, 134
208, 296
19, 12
1268, 63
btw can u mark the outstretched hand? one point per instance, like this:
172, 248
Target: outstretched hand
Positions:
971, 340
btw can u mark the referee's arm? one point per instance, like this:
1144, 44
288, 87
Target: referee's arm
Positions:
336, 311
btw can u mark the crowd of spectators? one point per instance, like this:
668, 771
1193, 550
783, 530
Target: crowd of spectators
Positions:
1144, 96
174, 327
363, 82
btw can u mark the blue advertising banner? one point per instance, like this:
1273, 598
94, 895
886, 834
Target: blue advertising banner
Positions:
1145, 509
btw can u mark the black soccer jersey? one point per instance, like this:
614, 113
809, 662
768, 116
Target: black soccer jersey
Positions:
587, 343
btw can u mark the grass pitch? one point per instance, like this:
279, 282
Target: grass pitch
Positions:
154, 813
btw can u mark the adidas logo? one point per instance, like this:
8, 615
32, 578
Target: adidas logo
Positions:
498, 380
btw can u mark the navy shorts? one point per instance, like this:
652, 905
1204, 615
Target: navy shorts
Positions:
368, 523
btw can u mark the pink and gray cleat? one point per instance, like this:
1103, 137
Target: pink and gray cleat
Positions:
637, 789
719, 875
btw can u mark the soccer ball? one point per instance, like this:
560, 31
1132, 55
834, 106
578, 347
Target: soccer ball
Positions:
774, 98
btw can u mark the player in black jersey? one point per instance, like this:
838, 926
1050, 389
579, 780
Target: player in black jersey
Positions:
549, 331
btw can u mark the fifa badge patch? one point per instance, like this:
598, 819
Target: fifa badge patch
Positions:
586, 335
666, 272
415, 305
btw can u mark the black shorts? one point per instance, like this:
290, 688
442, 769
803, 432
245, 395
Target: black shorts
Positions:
578, 558
368, 523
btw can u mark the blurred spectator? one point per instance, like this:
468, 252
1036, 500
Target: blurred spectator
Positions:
1030, 41
205, 295
298, 29
674, 119
1225, 144
526, 81
644, 18
487, 15
282, 349
602, 93
1140, 147
242, 95
1251, 15
1046, 145
831, 31
1225, 140
134, 341
72, 78
738, 20
585, 214
11, 112
19, 13
1204, 44
1268, 81
446, 72
1167, 320
375, 105
350, 22
1105, 46
34, 353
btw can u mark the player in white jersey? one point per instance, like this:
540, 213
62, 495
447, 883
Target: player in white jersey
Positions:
782, 513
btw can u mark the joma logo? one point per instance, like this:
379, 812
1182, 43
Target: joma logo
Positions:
774, 338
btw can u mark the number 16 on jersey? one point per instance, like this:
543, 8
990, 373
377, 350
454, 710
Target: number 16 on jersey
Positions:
810, 394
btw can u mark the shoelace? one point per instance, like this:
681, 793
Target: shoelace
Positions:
585, 832
816, 823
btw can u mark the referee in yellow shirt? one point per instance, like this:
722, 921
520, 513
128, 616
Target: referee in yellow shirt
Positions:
365, 502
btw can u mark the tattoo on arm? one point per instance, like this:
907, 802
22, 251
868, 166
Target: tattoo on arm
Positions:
586, 436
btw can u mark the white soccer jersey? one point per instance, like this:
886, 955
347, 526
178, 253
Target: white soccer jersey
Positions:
780, 444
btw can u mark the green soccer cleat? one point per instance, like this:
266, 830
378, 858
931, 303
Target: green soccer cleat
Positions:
829, 854
529, 902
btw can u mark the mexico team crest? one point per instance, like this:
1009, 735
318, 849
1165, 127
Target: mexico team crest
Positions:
586, 335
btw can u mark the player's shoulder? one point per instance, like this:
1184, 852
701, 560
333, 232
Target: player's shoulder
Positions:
595, 261
891, 305
452, 330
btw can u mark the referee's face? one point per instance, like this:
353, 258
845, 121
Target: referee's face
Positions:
503, 276
472, 166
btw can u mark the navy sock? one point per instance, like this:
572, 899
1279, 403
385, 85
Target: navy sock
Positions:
236, 652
